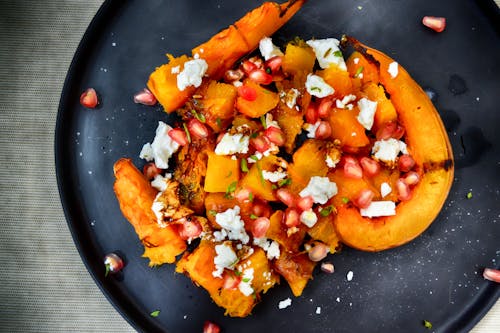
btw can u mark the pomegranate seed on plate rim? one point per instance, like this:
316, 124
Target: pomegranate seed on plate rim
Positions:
89, 98
209, 327
435, 23
145, 97
492, 274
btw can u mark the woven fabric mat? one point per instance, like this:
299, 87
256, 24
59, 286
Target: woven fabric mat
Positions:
44, 286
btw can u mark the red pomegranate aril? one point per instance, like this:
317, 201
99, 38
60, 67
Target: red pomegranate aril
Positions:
197, 129
405, 163
292, 217
324, 130
113, 263
179, 136
352, 169
248, 66
274, 63
324, 108
390, 129
327, 267
286, 197
364, 198
275, 135
89, 98
247, 93
435, 23
492, 274
210, 327
318, 252
403, 189
260, 76
145, 97
305, 203
261, 208
150, 170
190, 229
370, 167
243, 195
411, 178
260, 227
311, 114
231, 281
260, 143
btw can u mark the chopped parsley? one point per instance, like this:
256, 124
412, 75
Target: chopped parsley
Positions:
212, 212
108, 269
255, 158
338, 53
253, 216
345, 200
261, 176
250, 197
246, 280
244, 165
230, 189
284, 182
359, 71
187, 132
155, 313
327, 52
199, 116
427, 324
326, 211
469, 195
263, 121
218, 122
316, 89
229, 174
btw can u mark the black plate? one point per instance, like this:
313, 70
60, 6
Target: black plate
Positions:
437, 277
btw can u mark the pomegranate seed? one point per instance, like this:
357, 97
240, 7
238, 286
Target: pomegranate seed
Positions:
324, 108
260, 143
179, 136
89, 98
311, 114
243, 195
323, 131
370, 167
327, 267
286, 197
260, 227
363, 199
233, 75
260, 208
247, 93
248, 66
150, 170
274, 63
190, 229
275, 135
210, 327
435, 23
318, 252
305, 203
411, 178
390, 129
492, 274
231, 281
260, 76
145, 97
405, 163
197, 129
113, 263
404, 193
292, 217
352, 169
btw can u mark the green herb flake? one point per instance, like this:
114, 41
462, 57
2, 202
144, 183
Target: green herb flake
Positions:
253, 216
284, 182
250, 197
199, 116
327, 53
229, 174
255, 158
254, 135
274, 187
212, 212
244, 165
469, 195
326, 211
218, 122
359, 71
237, 273
108, 269
427, 324
345, 200
261, 176
155, 313
230, 189
263, 121
316, 89
338, 53
187, 132
268, 70
246, 280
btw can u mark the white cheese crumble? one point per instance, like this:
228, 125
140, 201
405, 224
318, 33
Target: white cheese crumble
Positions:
385, 189
330, 162
270, 122
231, 221
268, 49
388, 150
318, 310
350, 275
344, 102
379, 208
160, 183
326, 51
273, 177
309, 218
271, 248
192, 74
393, 69
232, 144
366, 114
225, 258
320, 188
245, 286
316, 86
291, 97
162, 148
157, 208
356, 61
285, 303
176, 69
311, 129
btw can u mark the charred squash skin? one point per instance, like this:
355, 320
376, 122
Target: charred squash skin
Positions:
429, 145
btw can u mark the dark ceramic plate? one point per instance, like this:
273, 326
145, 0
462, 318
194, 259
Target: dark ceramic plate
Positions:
437, 277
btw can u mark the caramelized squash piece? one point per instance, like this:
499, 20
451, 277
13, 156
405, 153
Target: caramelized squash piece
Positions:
338, 79
296, 269
308, 161
298, 59
385, 110
347, 129
222, 171
218, 104
265, 101
255, 181
278, 232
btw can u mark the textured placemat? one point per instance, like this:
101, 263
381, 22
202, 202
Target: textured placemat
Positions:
44, 286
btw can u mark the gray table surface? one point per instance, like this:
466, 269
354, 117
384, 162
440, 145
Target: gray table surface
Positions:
44, 286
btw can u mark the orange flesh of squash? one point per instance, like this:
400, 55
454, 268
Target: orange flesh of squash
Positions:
265, 101
296, 269
222, 171
347, 129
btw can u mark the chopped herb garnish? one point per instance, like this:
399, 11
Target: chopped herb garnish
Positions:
316, 89
218, 122
246, 280
229, 174
199, 116
268, 70
469, 195
155, 313
359, 71
250, 197
253, 216
263, 121
255, 158
327, 52
108, 269
212, 212
338, 53
187, 132
427, 324
244, 165
254, 135
261, 176
274, 187
345, 200
284, 182
237, 273
326, 211
230, 189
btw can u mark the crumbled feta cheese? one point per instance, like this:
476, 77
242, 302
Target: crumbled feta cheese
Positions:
232, 144
220, 235
316, 86
356, 61
349, 276
318, 310
385, 189
225, 258
273, 177
311, 129
237, 83
366, 114
285, 303
326, 52
157, 208
379, 208
393, 69
245, 286
231, 221
270, 122
160, 183
388, 150
271, 248
309, 218
192, 74
268, 49
291, 97
176, 70
162, 148
344, 102
320, 188
330, 162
